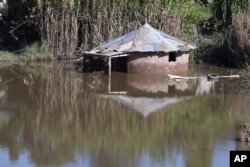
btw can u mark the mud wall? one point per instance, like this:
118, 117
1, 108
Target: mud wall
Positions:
157, 63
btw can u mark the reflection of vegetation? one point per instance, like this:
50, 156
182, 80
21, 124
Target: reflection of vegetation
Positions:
243, 86
4, 118
64, 120
202, 121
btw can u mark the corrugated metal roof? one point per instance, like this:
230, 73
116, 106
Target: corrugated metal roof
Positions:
144, 39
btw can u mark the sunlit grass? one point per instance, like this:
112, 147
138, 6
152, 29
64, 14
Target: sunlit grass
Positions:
35, 52
31, 52
7, 56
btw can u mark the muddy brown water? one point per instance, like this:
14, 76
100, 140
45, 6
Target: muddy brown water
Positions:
52, 116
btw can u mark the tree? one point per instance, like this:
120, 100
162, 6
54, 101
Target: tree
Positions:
223, 10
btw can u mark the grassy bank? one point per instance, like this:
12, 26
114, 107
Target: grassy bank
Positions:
31, 52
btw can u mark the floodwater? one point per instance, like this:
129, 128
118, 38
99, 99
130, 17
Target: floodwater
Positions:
53, 116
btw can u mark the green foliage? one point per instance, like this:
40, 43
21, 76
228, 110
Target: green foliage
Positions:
223, 10
230, 47
35, 52
7, 56
204, 12
31, 52
192, 12
240, 5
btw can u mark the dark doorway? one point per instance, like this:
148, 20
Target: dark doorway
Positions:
172, 56
119, 64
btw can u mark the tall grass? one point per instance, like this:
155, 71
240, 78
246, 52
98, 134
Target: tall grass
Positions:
30, 52
240, 34
59, 30
231, 47
35, 52
85, 24
7, 56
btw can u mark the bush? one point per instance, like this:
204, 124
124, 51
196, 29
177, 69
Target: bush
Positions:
230, 48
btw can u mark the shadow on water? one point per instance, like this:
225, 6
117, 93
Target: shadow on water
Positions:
62, 118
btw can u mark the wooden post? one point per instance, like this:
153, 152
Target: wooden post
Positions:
109, 65
109, 86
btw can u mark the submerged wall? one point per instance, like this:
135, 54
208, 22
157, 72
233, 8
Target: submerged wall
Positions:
158, 63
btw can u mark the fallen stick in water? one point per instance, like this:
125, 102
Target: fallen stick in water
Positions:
180, 77
209, 76
216, 76
230, 76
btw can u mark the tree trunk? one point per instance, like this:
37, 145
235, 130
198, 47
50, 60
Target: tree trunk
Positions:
10, 8
228, 13
39, 4
219, 10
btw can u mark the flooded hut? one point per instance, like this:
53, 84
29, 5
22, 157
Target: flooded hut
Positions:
146, 51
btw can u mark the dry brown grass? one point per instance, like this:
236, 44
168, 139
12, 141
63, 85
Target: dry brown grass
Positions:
59, 30
85, 25
241, 32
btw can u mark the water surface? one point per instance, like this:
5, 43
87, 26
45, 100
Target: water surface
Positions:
52, 116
